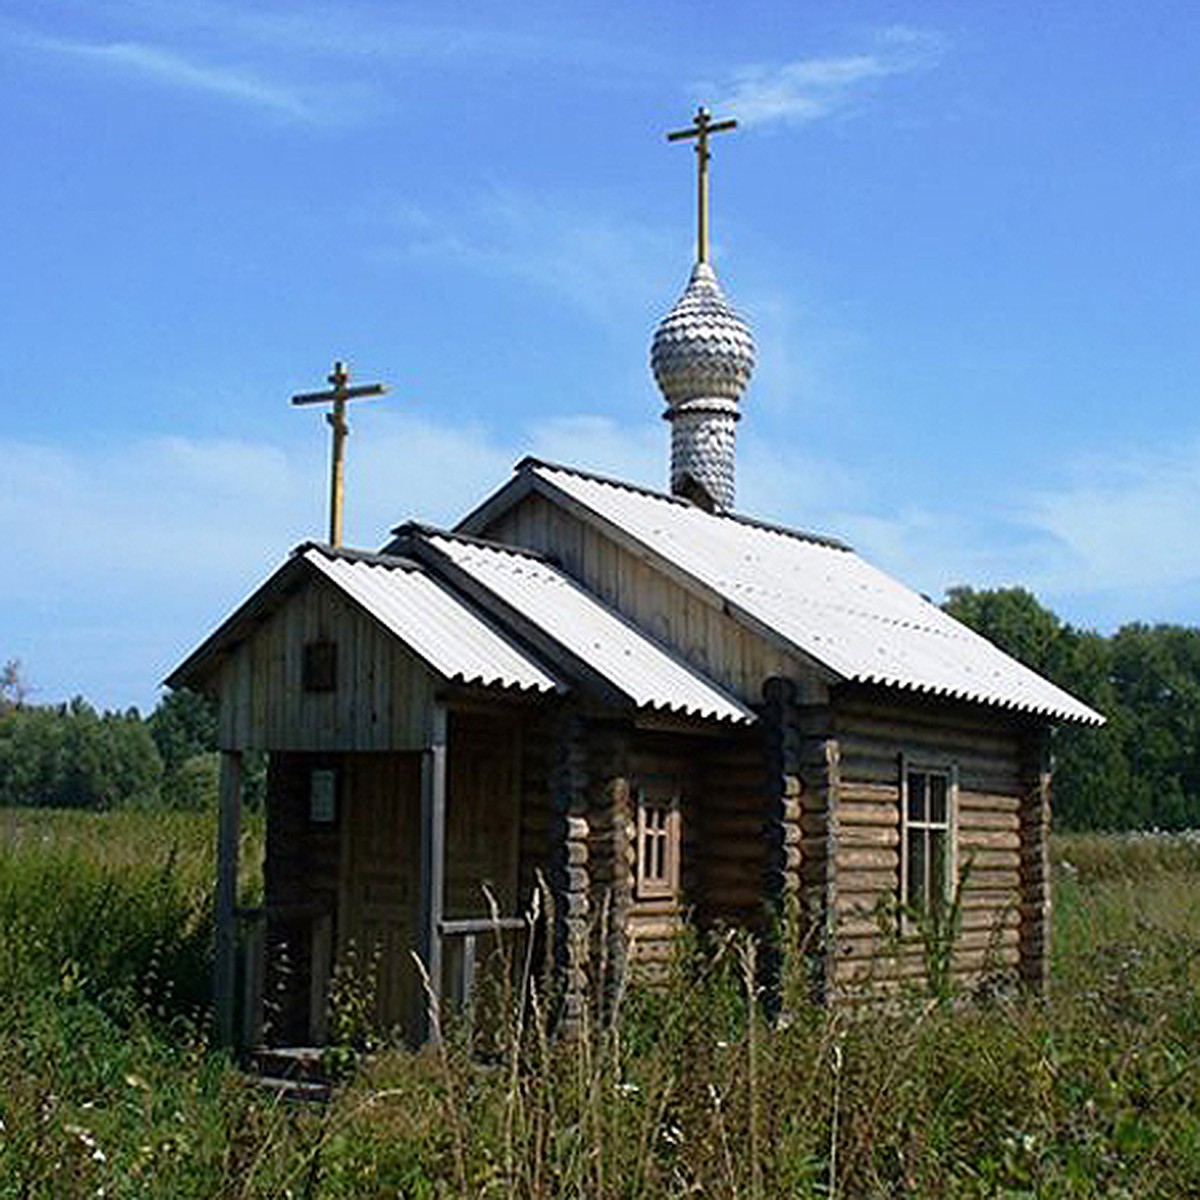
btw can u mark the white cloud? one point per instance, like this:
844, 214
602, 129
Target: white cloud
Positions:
807, 89
122, 556
1126, 521
176, 70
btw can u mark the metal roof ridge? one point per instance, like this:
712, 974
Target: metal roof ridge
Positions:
436, 531
350, 554
803, 535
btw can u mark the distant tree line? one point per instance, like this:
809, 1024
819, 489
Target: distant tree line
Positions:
1142, 769
72, 756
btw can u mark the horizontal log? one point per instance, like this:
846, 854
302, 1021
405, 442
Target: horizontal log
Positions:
859, 858
879, 967
868, 835
867, 946
988, 820
860, 813
860, 882
647, 949
981, 859
923, 737
990, 900
989, 841
990, 802
884, 768
931, 715
975, 762
863, 921
991, 880
657, 929
856, 792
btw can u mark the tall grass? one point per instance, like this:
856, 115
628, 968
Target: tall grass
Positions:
111, 1088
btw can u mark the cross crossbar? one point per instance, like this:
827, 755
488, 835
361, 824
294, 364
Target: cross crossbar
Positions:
702, 126
337, 396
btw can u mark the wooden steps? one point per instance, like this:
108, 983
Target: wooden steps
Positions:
291, 1072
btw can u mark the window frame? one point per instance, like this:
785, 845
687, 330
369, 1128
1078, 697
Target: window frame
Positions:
659, 795
949, 772
319, 667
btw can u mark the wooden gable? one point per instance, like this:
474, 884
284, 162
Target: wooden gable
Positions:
379, 697
692, 624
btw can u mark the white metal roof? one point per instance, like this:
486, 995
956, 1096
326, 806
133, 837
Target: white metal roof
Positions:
643, 670
438, 626
820, 597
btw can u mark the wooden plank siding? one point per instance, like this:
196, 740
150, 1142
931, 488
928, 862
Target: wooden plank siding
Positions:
381, 701
987, 753
695, 627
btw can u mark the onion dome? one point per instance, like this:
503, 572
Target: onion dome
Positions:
702, 349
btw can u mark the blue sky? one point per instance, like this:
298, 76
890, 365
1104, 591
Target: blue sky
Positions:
964, 234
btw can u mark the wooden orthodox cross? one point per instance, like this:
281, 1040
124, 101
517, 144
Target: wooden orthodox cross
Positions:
702, 126
338, 396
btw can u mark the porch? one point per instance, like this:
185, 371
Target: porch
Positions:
374, 860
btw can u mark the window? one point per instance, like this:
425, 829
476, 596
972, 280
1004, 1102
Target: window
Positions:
657, 841
927, 841
322, 796
319, 668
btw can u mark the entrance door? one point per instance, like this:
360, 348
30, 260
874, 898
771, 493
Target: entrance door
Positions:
379, 910
482, 828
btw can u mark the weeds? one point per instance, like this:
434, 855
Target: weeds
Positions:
111, 1088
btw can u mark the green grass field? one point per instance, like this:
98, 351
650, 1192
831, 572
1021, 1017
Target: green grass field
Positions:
109, 1088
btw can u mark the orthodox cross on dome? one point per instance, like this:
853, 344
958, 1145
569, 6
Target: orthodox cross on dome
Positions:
337, 396
702, 126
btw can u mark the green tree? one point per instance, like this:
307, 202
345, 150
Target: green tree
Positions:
1143, 767
183, 724
71, 756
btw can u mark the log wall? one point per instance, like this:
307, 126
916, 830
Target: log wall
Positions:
987, 754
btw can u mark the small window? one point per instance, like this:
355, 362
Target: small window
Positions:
319, 671
657, 841
322, 796
926, 847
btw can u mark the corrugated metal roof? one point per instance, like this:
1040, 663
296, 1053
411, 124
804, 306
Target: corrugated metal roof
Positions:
821, 598
644, 671
438, 626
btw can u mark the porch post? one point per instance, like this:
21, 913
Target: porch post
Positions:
433, 863
229, 829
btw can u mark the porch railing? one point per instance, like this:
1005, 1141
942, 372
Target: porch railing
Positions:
494, 944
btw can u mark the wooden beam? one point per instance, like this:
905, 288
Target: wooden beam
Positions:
229, 829
433, 865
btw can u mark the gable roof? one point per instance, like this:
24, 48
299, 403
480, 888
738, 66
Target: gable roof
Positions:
644, 672
447, 633
509, 632
809, 593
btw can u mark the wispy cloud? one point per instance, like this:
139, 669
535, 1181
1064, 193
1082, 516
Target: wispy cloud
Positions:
172, 69
603, 264
808, 89
1125, 521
